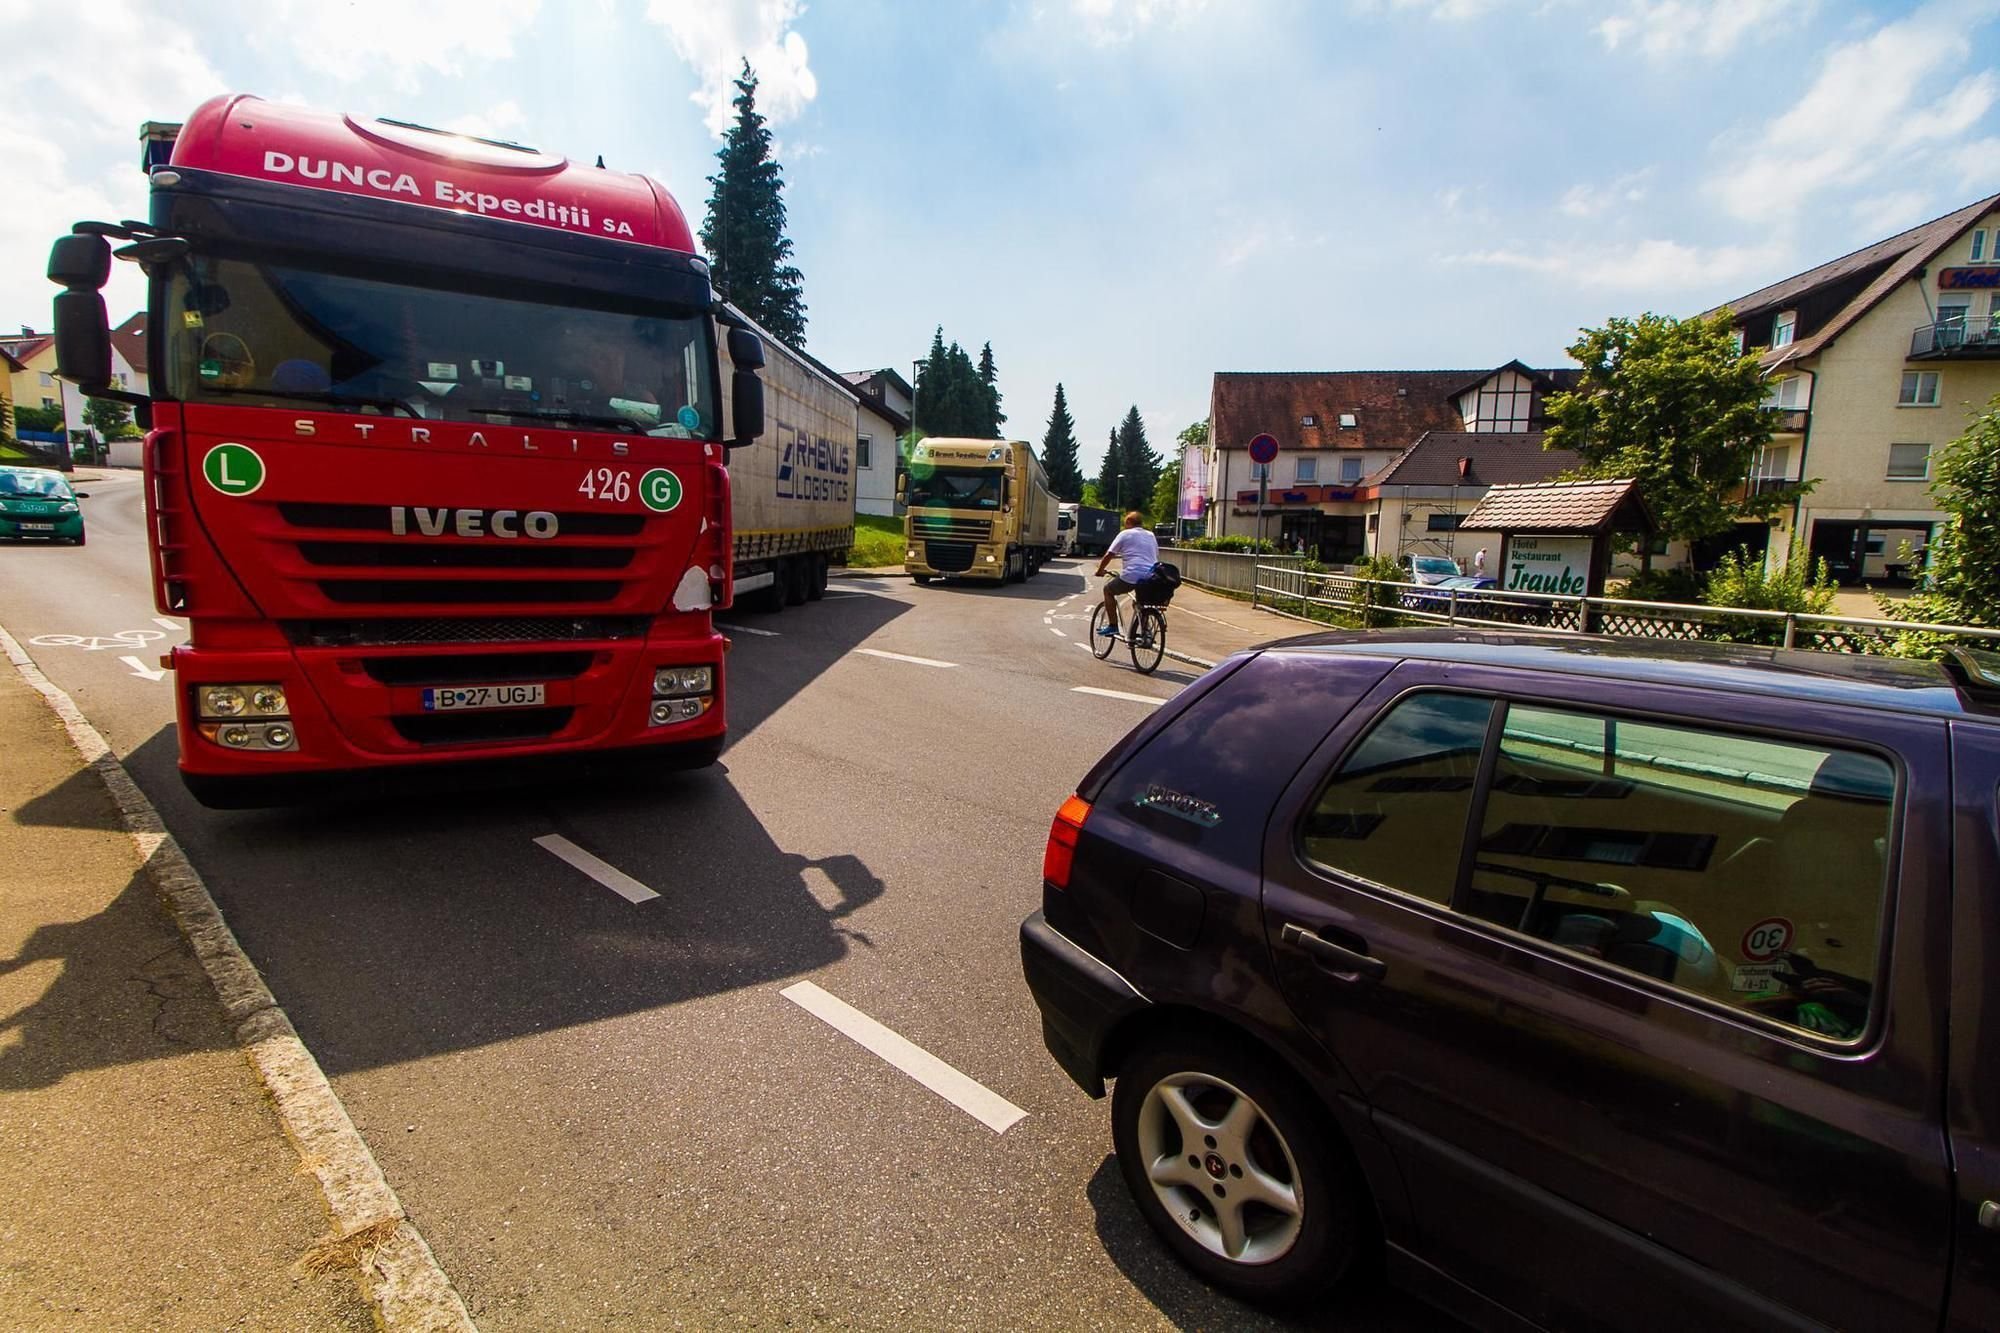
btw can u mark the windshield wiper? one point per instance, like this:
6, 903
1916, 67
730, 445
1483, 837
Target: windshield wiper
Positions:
579, 418
331, 399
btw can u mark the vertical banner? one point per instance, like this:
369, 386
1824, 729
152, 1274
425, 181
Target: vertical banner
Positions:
1194, 482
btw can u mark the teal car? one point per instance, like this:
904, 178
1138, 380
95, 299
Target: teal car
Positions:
37, 502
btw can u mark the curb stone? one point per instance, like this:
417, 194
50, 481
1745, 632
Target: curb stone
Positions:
397, 1270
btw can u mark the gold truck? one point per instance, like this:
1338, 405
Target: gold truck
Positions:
977, 509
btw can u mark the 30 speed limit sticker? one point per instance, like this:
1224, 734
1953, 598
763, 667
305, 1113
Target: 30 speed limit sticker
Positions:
1767, 939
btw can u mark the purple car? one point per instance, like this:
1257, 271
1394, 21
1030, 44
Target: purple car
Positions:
1585, 983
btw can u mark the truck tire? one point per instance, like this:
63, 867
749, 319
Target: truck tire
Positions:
816, 577
920, 578
795, 579
769, 600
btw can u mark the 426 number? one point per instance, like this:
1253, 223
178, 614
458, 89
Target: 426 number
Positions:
605, 484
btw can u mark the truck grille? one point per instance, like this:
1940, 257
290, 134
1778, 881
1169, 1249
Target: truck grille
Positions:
952, 557
929, 527
431, 555
375, 518
483, 591
385, 633
475, 668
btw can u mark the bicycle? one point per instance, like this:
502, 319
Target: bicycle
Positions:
1147, 641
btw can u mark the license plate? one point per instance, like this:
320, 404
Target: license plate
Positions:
36, 527
450, 698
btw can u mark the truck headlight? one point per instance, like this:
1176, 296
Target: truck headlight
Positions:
673, 681
250, 701
221, 701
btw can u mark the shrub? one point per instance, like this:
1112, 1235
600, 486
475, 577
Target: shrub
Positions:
1375, 576
1232, 543
1802, 587
1678, 584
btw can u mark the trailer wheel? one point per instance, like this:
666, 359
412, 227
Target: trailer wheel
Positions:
770, 599
816, 577
796, 580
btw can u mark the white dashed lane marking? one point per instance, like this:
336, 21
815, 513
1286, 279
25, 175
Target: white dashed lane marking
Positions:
1058, 633
1117, 694
969, 1095
610, 876
745, 629
905, 657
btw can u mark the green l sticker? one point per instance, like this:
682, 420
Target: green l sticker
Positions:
233, 469
660, 489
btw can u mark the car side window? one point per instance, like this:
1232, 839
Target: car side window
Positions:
1746, 870
1395, 811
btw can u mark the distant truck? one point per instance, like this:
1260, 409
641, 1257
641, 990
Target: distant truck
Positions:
1085, 530
792, 492
977, 509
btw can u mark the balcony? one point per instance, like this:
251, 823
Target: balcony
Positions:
1765, 485
1949, 339
1788, 420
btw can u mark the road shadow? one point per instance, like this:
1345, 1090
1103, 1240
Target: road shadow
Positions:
1190, 1304
128, 990
395, 927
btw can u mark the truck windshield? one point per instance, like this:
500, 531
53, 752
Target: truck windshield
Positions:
260, 334
955, 488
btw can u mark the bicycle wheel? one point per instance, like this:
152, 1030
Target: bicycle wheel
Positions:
1149, 639
1100, 644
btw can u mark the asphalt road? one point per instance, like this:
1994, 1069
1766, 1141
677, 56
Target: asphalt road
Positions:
607, 1113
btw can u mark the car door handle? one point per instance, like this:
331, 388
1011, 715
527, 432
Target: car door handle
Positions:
1344, 963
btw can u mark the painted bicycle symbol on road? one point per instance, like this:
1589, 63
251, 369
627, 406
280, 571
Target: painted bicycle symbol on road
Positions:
124, 638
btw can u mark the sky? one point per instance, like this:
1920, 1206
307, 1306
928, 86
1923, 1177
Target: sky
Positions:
1124, 195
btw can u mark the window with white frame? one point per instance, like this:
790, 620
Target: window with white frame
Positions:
1350, 471
1954, 312
49, 404
48, 380
1774, 461
1978, 244
1787, 392
1260, 472
1305, 469
1920, 389
1784, 327
1909, 462
864, 451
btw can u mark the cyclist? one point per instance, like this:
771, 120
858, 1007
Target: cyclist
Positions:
1139, 550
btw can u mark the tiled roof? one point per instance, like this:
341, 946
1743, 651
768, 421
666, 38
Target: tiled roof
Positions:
26, 349
1557, 506
130, 340
1492, 459
1391, 408
8, 363
1895, 260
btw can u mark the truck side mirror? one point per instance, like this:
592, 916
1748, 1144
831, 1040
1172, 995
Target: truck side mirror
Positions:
80, 263
746, 391
83, 340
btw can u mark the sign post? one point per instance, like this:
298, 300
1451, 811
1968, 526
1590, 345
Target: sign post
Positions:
1263, 452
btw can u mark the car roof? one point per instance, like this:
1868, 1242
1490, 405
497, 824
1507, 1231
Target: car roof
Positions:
49, 471
1854, 679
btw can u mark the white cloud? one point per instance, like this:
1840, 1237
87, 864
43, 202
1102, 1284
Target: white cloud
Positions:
1880, 107
1444, 11
71, 150
1977, 163
496, 122
1710, 28
1588, 201
1891, 212
1655, 266
1109, 22
393, 39
715, 37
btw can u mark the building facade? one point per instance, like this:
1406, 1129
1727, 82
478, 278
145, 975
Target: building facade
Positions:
1875, 362
1343, 435
886, 402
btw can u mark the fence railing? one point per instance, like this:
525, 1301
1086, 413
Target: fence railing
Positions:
1226, 571
1375, 602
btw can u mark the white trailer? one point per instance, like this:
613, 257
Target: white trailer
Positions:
792, 492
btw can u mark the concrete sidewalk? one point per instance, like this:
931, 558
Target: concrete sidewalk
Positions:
145, 1181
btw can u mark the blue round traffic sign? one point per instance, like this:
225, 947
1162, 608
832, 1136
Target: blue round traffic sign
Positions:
1264, 449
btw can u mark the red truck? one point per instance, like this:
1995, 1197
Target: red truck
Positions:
435, 466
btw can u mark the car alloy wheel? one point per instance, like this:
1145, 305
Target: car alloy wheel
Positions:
1229, 1163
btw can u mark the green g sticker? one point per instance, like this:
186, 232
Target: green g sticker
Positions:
233, 469
660, 489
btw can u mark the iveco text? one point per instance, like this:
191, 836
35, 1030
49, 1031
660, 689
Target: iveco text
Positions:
537, 523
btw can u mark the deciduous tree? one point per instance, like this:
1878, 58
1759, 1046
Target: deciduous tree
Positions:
1674, 405
1962, 581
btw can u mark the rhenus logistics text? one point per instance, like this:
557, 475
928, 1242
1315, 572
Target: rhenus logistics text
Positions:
573, 216
812, 467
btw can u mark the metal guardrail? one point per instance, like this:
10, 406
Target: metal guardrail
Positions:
1376, 602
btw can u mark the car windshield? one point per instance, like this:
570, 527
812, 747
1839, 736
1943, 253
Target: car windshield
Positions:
34, 485
1434, 564
956, 488
262, 334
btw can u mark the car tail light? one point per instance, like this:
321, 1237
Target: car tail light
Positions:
1063, 833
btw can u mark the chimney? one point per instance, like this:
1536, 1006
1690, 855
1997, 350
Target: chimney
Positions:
1464, 468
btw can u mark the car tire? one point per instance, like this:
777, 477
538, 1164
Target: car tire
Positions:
78, 539
1262, 1137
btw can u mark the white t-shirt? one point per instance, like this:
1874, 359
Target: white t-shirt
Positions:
1139, 550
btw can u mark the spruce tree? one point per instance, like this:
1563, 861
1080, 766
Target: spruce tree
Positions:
989, 377
1109, 472
1137, 460
930, 387
1059, 451
744, 232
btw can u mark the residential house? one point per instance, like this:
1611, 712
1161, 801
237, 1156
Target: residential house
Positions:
886, 403
1875, 361
1340, 433
36, 384
9, 367
1420, 500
